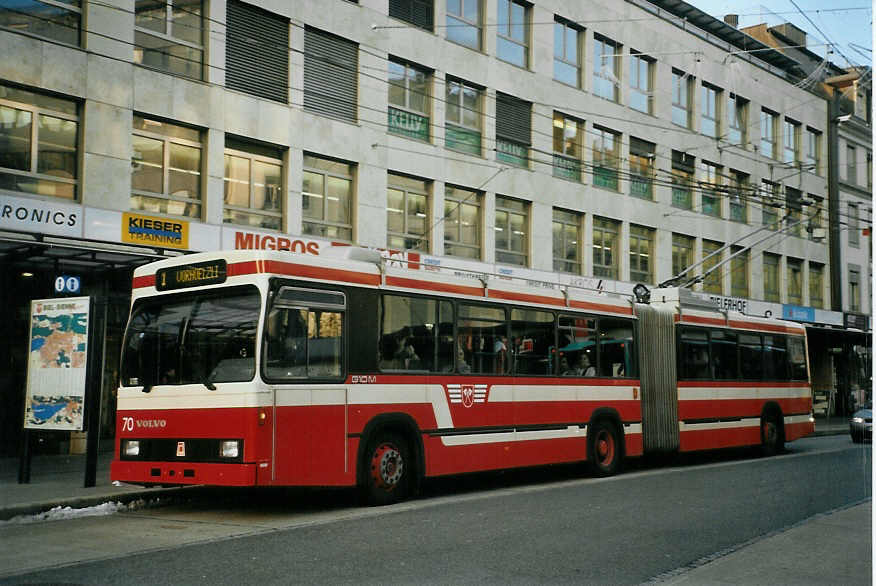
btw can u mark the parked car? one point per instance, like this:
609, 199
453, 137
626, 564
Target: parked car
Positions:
861, 424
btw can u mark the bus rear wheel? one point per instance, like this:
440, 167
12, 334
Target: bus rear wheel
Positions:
604, 448
388, 469
772, 441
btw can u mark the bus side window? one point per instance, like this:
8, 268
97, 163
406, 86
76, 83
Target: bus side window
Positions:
616, 352
694, 355
287, 343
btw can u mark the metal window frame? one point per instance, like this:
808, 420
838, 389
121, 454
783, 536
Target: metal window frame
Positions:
253, 157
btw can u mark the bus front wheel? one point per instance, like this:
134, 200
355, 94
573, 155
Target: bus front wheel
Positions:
388, 469
604, 448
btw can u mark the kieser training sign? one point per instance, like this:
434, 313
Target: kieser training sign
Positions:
149, 231
56, 364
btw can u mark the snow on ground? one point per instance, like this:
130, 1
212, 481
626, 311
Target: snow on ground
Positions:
60, 513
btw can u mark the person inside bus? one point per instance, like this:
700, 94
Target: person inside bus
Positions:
461, 365
582, 367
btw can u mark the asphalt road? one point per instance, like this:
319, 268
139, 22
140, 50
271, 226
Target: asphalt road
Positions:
543, 526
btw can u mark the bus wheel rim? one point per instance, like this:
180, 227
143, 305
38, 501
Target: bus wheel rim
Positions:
605, 448
387, 466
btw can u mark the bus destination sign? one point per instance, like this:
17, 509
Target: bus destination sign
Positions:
192, 275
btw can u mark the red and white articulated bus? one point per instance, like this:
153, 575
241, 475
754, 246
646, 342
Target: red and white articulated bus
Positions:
265, 368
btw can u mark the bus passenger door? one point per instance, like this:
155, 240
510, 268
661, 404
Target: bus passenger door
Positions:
304, 363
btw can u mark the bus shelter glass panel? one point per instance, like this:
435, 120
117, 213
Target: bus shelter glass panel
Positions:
482, 340
532, 341
192, 338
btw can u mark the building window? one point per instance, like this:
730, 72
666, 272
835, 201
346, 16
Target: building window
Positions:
771, 277
813, 144
769, 204
737, 131
465, 23
710, 106
681, 94
331, 66
567, 241
512, 37
713, 279
606, 156
816, 218
512, 231
795, 280
768, 126
567, 52
166, 175
854, 216
642, 168
327, 198
739, 272
407, 217
257, 52
462, 130
605, 242
791, 141
851, 165
59, 21
816, 285
606, 68
169, 36
39, 143
682, 175
462, 222
854, 289
682, 254
641, 83
408, 111
513, 130
738, 196
710, 184
793, 200
641, 254
417, 12
253, 185
869, 170
568, 133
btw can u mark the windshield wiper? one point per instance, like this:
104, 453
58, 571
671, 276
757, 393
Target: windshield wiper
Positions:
147, 388
209, 383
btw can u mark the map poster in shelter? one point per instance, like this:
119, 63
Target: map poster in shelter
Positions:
56, 364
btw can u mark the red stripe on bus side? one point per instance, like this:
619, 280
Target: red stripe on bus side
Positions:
730, 408
514, 296
144, 281
780, 328
601, 307
432, 286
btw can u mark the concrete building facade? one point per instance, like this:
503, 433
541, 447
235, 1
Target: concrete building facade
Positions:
599, 144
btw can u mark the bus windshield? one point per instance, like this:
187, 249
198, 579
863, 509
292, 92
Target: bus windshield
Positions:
200, 337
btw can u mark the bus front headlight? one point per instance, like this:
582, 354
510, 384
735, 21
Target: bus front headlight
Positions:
131, 448
229, 448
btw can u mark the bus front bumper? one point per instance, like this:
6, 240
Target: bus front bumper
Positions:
183, 473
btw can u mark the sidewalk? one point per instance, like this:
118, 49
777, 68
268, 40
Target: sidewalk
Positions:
58, 480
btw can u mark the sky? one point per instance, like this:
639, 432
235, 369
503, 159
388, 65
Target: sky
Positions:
845, 23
